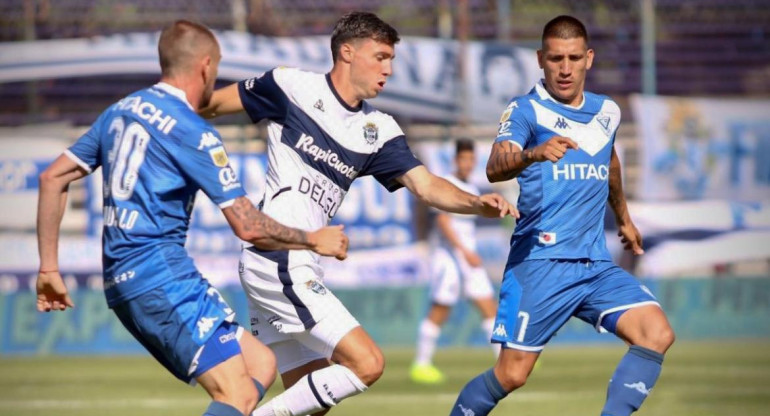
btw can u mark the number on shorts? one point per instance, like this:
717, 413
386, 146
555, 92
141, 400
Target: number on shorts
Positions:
127, 155
215, 293
524, 316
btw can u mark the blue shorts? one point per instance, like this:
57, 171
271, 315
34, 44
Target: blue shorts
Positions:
185, 324
537, 298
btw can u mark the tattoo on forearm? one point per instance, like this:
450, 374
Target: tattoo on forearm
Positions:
253, 220
506, 162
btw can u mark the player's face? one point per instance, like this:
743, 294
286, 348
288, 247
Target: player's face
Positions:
565, 63
370, 66
465, 162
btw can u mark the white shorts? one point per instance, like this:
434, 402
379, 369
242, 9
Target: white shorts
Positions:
291, 310
450, 272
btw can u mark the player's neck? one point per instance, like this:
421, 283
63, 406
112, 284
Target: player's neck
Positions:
575, 102
190, 91
345, 90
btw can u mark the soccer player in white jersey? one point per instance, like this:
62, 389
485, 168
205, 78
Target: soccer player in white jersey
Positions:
156, 153
323, 135
558, 142
455, 268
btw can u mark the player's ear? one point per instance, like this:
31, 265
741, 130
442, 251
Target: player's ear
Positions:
207, 68
590, 58
540, 58
346, 52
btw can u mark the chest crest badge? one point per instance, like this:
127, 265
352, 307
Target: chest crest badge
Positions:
370, 133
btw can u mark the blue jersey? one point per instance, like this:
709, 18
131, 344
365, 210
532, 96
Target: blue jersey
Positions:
156, 153
562, 204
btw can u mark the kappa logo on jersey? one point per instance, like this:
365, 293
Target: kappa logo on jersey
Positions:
546, 238
307, 144
204, 325
561, 123
208, 139
370, 133
319, 105
500, 331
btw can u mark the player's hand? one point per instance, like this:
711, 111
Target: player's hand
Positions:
494, 205
472, 258
554, 149
52, 293
631, 238
330, 241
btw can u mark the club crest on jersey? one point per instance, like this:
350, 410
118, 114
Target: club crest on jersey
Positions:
316, 287
219, 156
370, 133
604, 122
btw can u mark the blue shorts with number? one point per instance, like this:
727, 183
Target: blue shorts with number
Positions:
537, 298
185, 324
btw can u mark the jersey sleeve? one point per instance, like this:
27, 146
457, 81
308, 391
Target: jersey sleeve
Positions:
393, 160
263, 98
208, 166
87, 149
515, 125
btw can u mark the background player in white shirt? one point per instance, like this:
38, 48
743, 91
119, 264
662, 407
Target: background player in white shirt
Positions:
323, 135
455, 268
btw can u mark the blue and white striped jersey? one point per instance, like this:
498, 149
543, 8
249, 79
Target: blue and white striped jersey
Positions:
156, 153
562, 204
318, 145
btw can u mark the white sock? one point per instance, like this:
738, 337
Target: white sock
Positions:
426, 342
314, 392
488, 326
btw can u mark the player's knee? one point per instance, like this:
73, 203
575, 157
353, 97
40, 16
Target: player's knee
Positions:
512, 380
370, 366
665, 338
240, 393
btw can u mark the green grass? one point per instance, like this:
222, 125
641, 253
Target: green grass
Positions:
699, 379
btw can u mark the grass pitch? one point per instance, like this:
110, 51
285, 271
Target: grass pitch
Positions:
699, 379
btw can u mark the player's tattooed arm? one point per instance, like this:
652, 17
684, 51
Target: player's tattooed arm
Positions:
251, 225
507, 161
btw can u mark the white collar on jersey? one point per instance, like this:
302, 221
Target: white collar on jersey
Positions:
545, 95
176, 92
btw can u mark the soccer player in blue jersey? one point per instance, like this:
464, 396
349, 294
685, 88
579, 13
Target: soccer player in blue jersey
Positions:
558, 142
156, 153
322, 136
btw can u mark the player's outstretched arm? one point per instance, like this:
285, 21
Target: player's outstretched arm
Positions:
253, 226
225, 100
52, 199
440, 193
630, 235
508, 160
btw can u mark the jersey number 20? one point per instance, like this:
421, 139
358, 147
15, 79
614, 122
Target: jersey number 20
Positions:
127, 155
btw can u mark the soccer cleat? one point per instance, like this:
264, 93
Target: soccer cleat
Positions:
426, 374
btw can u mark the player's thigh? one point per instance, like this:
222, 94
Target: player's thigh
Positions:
229, 382
445, 278
536, 298
611, 293
259, 358
513, 367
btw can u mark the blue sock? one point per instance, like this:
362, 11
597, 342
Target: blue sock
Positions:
222, 409
633, 380
260, 388
480, 396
